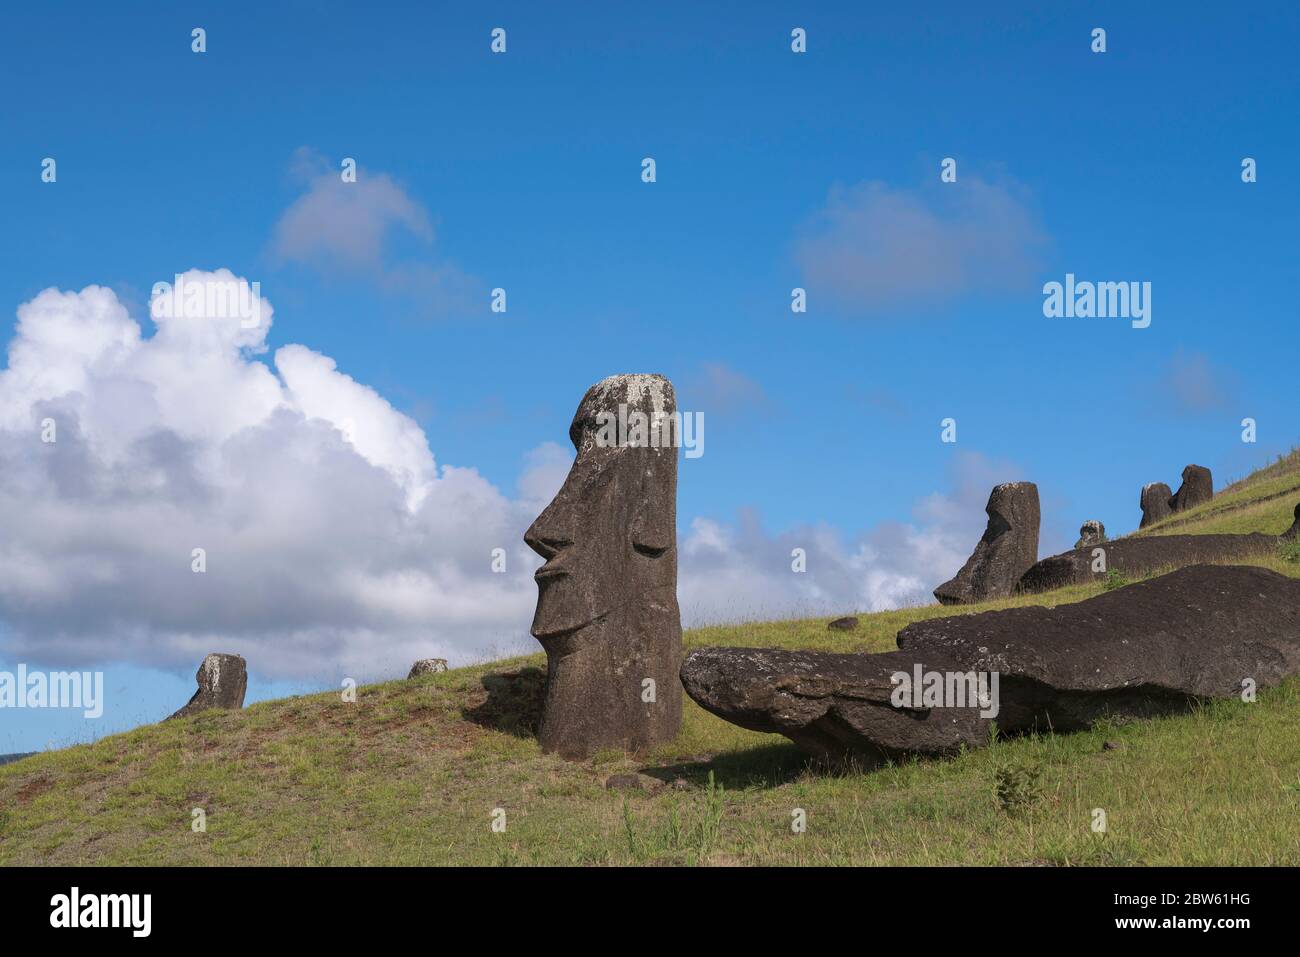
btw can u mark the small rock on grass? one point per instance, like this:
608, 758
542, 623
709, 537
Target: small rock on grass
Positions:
427, 666
632, 782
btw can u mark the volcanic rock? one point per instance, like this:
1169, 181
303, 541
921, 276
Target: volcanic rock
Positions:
427, 666
1155, 503
1139, 557
843, 624
222, 679
1091, 532
607, 611
633, 782
1154, 648
1294, 531
1197, 487
1008, 547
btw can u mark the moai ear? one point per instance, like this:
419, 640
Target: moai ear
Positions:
652, 527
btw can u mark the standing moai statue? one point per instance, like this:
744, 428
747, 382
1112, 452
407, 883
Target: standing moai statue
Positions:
1091, 532
1155, 503
1008, 548
222, 679
1197, 487
607, 595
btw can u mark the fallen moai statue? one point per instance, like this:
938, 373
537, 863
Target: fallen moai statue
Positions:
222, 679
1007, 548
1137, 557
1153, 648
1155, 503
607, 610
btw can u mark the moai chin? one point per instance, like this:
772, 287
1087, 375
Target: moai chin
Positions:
607, 595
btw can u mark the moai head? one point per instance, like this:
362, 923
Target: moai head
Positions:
607, 595
1154, 502
609, 536
1006, 550
222, 680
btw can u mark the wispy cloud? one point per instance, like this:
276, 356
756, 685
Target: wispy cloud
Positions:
722, 389
350, 229
1194, 385
348, 226
875, 250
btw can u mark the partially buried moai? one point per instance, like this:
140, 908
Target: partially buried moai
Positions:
1008, 548
607, 595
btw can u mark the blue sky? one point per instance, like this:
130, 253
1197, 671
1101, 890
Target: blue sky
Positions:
774, 170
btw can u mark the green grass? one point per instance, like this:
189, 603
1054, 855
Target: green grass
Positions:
413, 772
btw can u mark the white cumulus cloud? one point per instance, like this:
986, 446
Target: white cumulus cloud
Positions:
334, 543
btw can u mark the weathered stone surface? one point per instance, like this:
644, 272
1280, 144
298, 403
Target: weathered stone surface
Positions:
1153, 648
222, 679
1197, 487
607, 596
1091, 532
1008, 547
633, 782
427, 666
843, 624
1294, 531
1155, 503
1138, 557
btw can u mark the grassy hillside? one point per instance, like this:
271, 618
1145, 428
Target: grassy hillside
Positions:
414, 770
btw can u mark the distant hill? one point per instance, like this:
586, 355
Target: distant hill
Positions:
6, 758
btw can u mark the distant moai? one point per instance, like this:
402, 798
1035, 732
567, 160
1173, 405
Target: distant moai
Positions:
1155, 503
1294, 531
607, 612
1008, 548
427, 666
1197, 487
222, 679
1091, 532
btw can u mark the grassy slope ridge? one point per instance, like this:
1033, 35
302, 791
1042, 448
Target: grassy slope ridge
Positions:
414, 770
